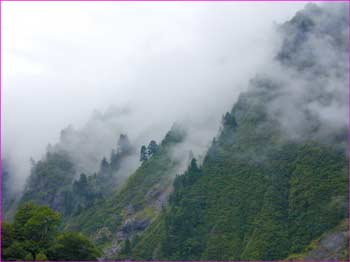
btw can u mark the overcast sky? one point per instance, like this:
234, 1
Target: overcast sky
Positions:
168, 61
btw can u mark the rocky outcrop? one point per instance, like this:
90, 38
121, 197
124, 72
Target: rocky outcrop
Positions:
332, 245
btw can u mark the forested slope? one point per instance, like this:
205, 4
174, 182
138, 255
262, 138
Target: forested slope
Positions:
276, 178
273, 183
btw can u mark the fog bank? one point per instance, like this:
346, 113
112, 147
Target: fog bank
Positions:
138, 66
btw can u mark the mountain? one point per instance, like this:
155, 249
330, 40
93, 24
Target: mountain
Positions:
273, 184
131, 208
256, 196
262, 194
55, 182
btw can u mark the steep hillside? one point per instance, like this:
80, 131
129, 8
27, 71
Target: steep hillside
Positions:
272, 185
113, 222
54, 180
332, 245
257, 196
275, 179
108, 206
49, 180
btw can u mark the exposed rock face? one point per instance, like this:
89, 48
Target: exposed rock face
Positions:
157, 197
330, 247
102, 234
133, 225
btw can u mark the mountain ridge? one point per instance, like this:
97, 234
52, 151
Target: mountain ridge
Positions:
272, 185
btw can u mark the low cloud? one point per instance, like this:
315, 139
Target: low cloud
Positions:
143, 65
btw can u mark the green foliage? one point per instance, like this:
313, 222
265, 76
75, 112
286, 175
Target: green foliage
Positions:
41, 257
49, 179
8, 233
143, 153
257, 196
36, 226
126, 250
16, 251
147, 246
136, 197
28, 257
34, 233
319, 248
72, 246
52, 181
174, 136
229, 120
147, 152
152, 147
84, 194
149, 174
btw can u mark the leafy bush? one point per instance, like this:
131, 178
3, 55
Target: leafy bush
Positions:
34, 234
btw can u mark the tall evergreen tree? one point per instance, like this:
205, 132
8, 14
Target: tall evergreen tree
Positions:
143, 154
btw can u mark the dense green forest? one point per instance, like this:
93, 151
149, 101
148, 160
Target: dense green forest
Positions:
259, 193
265, 200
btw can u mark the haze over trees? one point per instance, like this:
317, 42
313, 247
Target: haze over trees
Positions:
271, 185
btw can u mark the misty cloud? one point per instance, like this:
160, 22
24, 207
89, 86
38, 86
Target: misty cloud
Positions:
144, 65
311, 72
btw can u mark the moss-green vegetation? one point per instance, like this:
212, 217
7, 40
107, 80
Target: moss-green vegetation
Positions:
135, 199
267, 189
322, 248
257, 196
34, 235
50, 179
